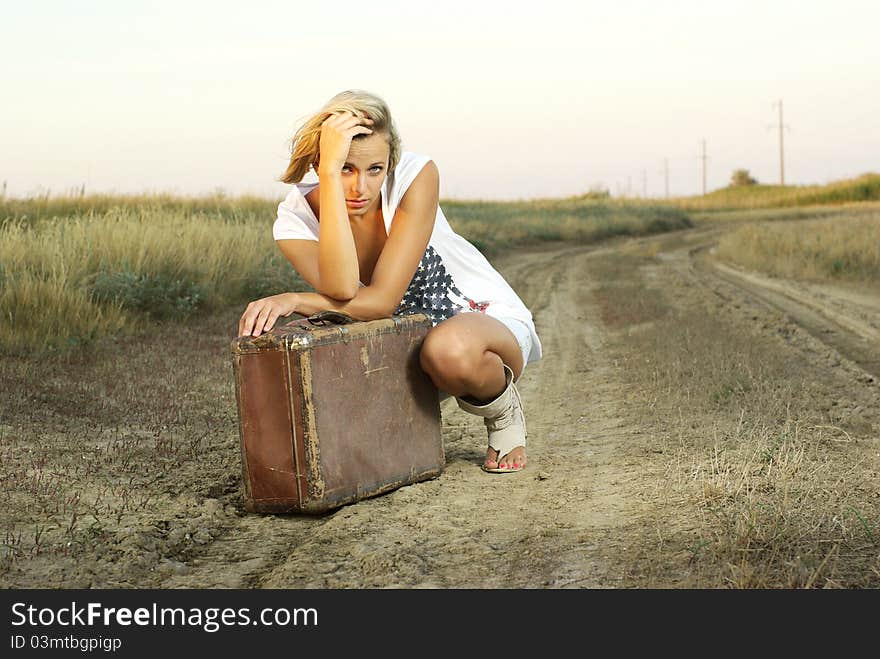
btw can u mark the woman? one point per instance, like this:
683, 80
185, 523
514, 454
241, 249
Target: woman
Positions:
371, 239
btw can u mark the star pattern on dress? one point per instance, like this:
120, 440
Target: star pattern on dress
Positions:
433, 292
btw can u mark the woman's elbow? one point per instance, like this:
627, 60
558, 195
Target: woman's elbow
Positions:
381, 309
338, 286
386, 311
341, 293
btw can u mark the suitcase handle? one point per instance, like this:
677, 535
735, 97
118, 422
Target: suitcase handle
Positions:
330, 318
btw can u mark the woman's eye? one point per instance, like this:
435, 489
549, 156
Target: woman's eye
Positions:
376, 169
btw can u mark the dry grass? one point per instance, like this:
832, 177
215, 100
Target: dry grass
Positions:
844, 247
849, 210
496, 226
767, 455
77, 271
47, 206
771, 514
861, 189
67, 283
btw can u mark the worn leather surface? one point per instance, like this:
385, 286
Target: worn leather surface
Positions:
329, 415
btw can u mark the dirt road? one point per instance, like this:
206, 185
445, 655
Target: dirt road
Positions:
689, 425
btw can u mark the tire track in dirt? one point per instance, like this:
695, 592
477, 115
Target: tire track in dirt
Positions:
849, 329
573, 402
834, 318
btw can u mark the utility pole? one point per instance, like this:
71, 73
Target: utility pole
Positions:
704, 167
645, 183
781, 148
666, 175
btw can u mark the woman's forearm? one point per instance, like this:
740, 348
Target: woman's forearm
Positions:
260, 315
337, 255
367, 304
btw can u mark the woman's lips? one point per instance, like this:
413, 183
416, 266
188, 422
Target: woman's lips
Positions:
357, 203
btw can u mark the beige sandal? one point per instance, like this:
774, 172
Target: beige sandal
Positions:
504, 420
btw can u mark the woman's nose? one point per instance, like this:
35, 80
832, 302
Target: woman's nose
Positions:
360, 184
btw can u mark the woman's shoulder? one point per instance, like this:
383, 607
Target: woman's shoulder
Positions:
406, 171
408, 168
298, 192
410, 160
296, 218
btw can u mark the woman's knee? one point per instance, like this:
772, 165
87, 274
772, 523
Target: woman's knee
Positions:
448, 355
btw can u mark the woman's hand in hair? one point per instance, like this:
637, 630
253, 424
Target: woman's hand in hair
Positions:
260, 315
337, 132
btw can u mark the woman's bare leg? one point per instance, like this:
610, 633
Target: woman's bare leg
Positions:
463, 356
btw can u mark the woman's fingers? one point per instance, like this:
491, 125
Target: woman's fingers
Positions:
337, 133
347, 125
246, 323
348, 128
357, 130
260, 315
270, 321
243, 327
346, 118
254, 318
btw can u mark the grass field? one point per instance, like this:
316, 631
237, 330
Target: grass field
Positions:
75, 270
78, 269
766, 449
860, 189
830, 249
818, 233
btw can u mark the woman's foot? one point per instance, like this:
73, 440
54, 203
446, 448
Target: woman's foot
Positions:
513, 461
506, 426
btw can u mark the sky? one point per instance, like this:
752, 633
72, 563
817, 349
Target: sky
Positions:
512, 100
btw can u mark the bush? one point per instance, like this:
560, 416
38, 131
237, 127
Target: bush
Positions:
155, 294
597, 192
741, 177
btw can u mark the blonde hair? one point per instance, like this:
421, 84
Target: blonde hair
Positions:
305, 145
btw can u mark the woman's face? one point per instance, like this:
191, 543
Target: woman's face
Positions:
364, 172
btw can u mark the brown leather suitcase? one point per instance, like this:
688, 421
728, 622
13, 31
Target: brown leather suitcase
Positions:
332, 413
